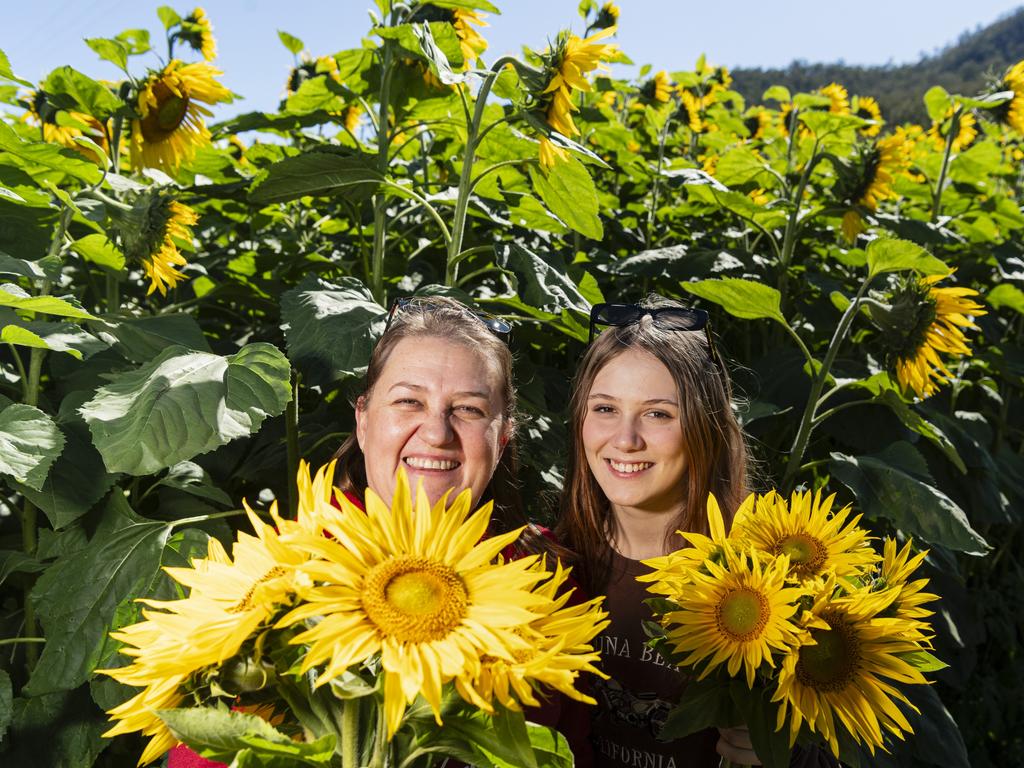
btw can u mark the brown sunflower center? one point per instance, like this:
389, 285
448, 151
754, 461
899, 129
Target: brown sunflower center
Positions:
807, 554
414, 599
833, 663
247, 601
743, 614
169, 113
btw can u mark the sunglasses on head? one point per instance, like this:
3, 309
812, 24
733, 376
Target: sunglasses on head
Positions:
495, 325
665, 318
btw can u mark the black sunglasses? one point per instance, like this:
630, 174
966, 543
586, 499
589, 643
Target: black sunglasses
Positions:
495, 325
666, 318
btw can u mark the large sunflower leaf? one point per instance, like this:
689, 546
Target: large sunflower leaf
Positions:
894, 485
541, 282
59, 730
317, 173
183, 403
81, 92
330, 327
569, 192
16, 298
892, 255
29, 444
48, 156
140, 339
741, 298
78, 595
100, 250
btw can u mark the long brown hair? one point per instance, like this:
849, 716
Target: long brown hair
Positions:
712, 440
444, 318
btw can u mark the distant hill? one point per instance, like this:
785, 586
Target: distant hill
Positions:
962, 67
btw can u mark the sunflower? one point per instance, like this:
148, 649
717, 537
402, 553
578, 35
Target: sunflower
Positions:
64, 126
607, 16
658, 88
815, 540
569, 63
844, 676
169, 221
839, 101
867, 108
689, 111
1012, 112
351, 116
737, 613
966, 130
170, 126
471, 42
758, 122
786, 117
560, 649
197, 31
879, 164
416, 585
894, 571
921, 322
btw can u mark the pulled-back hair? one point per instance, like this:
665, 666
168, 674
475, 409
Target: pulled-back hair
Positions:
716, 458
444, 318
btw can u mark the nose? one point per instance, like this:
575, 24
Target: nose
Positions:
436, 428
627, 436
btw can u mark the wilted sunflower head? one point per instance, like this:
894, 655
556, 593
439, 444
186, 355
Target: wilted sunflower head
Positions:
150, 232
197, 31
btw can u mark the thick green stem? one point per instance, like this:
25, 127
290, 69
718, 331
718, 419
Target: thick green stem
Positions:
380, 199
17, 640
803, 433
350, 733
113, 291
792, 227
379, 759
656, 186
954, 126
291, 422
451, 272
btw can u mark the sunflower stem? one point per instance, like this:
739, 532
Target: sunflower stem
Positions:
792, 226
807, 422
451, 272
380, 199
655, 187
291, 422
954, 126
349, 727
16, 640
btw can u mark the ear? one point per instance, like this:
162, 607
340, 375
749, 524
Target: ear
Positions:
361, 424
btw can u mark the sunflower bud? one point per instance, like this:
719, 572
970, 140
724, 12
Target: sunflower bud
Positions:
246, 675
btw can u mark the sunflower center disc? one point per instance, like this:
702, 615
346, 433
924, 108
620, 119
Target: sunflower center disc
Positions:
833, 662
743, 614
806, 553
171, 110
414, 599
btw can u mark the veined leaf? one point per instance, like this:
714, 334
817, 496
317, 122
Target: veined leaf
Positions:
6, 73
59, 730
937, 101
81, 92
100, 250
140, 339
1006, 295
14, 297
45, 155
569, 192
330, 327
317, 173
292, 43
741, 298
29, 444
890, 485
185, 403
542, 283
891, 255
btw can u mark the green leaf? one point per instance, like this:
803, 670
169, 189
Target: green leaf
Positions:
891, 255
15, 334
937, 101
740, 166
704, 704
61, 730
29, 444
915, 421
541, 282
317, 173
894, 485
779, 93
189, 477
923, 661
741, 298
13, 561
81, 93
937, 739
184, 403
20, 267
510, 729
140, 339
1006, 295
14, 297
44, 155
137, 40
765, 218
330, 328
113, 51
434, 51
569, 192
292, 43
977, 163
100, 250
76, 598
6, 73
168, 16
317, 94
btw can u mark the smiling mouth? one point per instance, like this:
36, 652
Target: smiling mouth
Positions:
442, 465
629, 468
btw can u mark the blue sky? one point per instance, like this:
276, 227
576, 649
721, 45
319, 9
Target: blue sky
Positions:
668, 34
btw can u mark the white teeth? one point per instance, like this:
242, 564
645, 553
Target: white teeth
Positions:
630, 468
418, 463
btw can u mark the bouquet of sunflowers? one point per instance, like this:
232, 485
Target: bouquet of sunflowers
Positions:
347, 637
793, 625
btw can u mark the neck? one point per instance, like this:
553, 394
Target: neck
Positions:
640, 535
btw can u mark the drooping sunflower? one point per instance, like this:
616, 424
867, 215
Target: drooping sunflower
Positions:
815, 540
844, 678
689, 111
866, 108
758, 122
1012, 112
735, 613
923, 321
170, 126
839, 100
560, 649
197, 31
966, 131
464, 20
416, 585
569, 62
879, 164
165, 221
607, 16
658, 88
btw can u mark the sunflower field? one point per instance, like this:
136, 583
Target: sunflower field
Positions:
186, 308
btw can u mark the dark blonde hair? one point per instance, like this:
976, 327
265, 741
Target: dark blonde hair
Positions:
716, 457
444, 318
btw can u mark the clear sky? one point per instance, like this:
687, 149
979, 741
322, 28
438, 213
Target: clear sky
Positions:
39, 35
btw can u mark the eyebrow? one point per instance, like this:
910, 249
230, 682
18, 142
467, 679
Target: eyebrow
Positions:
652, 401
420, 388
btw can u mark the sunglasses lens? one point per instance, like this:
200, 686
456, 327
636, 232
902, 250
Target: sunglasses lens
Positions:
682, 319
616, 314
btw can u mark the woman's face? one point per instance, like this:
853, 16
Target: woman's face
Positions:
437, 409
632, 435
